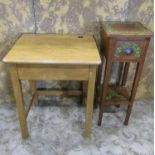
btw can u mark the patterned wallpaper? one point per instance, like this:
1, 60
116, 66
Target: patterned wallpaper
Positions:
76, 16
69, 16
15, 17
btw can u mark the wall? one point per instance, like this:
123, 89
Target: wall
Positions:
16, 16
69, 16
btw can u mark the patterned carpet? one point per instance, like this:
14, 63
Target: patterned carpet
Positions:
57, 130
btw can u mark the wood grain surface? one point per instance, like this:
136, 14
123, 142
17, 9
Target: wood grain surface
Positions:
54, 49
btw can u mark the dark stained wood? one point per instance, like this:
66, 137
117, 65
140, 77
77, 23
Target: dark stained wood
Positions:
116, 101
59, 92
106, 80
122, 90
128, 28
125, 74
98, 83
120, 70
113, 35
136, 81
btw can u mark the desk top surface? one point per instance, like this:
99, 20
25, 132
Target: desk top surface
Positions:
54, 49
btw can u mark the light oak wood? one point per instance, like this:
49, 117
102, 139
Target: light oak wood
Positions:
19, 101
28, 106
90, 100
59, 92
54, 49
53, 57
84, 92
33, 86
48, 72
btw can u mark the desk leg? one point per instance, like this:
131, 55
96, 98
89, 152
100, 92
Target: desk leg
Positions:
19, 101
33, 89
32, 85
89, 101
84, 92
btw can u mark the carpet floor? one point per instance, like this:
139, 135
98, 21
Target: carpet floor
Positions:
58, 130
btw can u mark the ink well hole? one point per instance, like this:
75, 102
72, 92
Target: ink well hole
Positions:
80, 37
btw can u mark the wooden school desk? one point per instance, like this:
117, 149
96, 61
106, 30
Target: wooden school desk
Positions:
52, 57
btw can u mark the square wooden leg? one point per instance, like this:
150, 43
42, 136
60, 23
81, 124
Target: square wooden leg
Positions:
89, 102
84, 92
97, 94
19, 101
125, 74
133, 91
136, 81
33, 87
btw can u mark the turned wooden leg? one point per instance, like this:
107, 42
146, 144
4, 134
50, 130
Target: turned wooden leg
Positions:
89, 102
19, 101
104, 89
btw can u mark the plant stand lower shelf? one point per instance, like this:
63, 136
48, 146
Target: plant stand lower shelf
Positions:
117, 95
